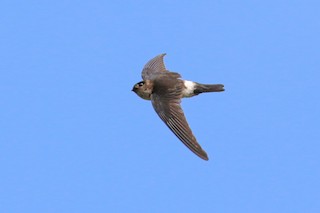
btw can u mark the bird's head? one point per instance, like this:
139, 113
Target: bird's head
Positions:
138, 86
142, 90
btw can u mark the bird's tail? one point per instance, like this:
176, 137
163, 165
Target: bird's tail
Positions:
200, 88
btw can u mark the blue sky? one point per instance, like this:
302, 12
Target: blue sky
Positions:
74, 138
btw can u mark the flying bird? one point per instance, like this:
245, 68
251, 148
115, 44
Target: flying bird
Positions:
165, 89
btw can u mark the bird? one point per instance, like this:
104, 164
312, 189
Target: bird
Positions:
165, 89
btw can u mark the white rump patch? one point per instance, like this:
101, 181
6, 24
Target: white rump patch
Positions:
188, 91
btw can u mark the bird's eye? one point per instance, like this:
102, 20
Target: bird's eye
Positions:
141, 83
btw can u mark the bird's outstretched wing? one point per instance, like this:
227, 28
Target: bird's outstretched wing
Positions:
166, 101
153, 68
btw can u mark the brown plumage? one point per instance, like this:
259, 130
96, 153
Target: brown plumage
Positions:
165, 90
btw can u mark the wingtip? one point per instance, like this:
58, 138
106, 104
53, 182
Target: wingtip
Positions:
162, 54
204, 157
201, 154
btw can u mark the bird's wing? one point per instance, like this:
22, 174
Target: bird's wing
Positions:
166, 102
153, 68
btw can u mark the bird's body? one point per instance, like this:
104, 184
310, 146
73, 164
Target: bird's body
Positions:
165, 90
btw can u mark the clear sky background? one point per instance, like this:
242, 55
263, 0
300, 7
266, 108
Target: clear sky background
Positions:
74, 138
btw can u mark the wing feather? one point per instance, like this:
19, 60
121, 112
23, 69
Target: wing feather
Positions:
153, 68
166, 102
